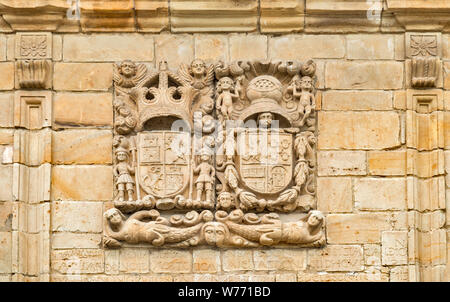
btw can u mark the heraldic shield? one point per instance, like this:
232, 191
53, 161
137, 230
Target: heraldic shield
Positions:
163, 162
266, 160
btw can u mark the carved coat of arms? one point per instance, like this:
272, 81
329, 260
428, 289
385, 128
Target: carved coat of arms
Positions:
214, 154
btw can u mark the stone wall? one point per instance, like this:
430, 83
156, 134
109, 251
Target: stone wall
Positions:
382, 140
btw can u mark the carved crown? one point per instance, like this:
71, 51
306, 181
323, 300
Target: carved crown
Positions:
162, 94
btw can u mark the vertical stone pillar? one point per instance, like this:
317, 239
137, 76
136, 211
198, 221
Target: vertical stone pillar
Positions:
425, 158
32, 157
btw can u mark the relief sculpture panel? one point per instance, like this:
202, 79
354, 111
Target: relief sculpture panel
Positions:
215, 154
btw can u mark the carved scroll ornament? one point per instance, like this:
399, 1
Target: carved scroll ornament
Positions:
220, 143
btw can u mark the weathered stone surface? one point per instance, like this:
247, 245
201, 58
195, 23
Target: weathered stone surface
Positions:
6, 114
286, 277
356, 100
334, 194
400, 100
370, 47
108, 47
358, 130
78, 261
237, 260
206, 261
5, 252
6, 216
213, 16
67, 240
151, 16
399, 274
6, 137
82, 147
82, 76
82, 110
337, 258
7, 76
447, 75
380, 193
171, 261
281, 16
6, 181
175, 49
364, 75
356, 228
301, 47
341, 163
394, 247
342, 277
77, 216
244, 46
386, 163
279, 260
372, 254
82, 183
134, 261
211, 48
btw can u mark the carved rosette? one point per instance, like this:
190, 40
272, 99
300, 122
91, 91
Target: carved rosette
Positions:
214, 154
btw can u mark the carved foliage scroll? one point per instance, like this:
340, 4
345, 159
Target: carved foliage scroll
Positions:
213, 154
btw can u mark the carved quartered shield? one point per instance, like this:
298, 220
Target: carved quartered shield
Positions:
266, 160
163, 162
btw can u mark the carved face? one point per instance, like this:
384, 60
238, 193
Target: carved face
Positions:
128, 69
225, 200
315, 219
265, 119
114, 217
121, 156
226, 83
306, 83
205, 157
215, 233
198, 67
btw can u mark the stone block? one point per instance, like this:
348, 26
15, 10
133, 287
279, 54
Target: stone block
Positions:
358, 130
5, 253
357, 100
425, 164
400, 100
108, 48
247, 47
82, 147
281, 16
337, 258
213, 16
78, 261
175, 49
31, 184
356, 228
447, 75
279, 260
334, 194
6, 137
394, 247
399, 274
33, 109
7, 112
82, 110
77, 216
171, 261
82, 76
32, 148
7, 76
211, 48
67, 240
286, 277
370, 47
333, 163
134, 260
112, 261
151, 16
302, 47
380, 194
372, 254
206, 261
237, 260
364, 75
82, 183
6, 216
6, 181
386, 163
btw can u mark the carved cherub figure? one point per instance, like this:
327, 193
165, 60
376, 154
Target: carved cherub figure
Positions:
306, 97
200, 77
127, 75
205, 179
123, 169
226, 93
125, 121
